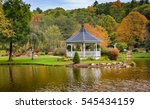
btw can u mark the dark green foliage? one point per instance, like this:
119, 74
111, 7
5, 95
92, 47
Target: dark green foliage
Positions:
67, 26
38, 10
144, 9
95, 3
19, 14
76, 58
121, 46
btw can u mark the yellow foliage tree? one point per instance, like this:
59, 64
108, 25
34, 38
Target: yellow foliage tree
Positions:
132, 29
100, 33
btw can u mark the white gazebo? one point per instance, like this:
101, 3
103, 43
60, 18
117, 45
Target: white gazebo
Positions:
84, 43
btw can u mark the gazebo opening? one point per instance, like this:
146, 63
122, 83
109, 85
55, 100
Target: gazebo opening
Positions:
86, 44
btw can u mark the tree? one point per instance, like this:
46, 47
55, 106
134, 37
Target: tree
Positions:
76, 58
95, 3
100, 33
132, 29
147, 1
53, 37
144, 9
39, 10
142, 2
106, 20
19, 14
67, 26
6, 31
116, 4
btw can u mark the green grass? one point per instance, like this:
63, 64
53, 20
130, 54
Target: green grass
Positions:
136, 55
51, 60
45, 60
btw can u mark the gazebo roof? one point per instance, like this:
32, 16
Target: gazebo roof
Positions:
83, 37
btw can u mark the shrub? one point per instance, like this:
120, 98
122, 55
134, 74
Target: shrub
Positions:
90, 58
113, 53
122, 46
76, 58
60, 52
104, 58
49, 53
41, 53
104, 51
64, 58
3, 53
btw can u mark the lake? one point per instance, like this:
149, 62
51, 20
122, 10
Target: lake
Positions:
25, 78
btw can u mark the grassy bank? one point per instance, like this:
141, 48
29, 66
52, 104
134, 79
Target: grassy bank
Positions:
46, 60
136, 55
51, 60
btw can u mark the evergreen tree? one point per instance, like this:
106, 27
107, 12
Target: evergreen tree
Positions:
142, 2
95, 3
147, 1
76, 58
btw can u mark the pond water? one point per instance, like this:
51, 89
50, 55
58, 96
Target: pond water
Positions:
25, 78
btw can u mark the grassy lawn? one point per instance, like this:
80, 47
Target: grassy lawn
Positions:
136, 55
51, 60
46, 60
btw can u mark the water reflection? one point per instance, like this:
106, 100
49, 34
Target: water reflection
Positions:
46, 78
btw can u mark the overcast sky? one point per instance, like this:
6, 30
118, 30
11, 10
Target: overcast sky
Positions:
66, 4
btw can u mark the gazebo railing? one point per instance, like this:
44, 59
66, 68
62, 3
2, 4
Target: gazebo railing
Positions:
87, 53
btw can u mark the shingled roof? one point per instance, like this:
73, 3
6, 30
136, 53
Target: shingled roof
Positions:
83, 37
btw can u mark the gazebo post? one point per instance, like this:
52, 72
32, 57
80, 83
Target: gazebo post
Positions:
96, 50
83, 49
71, 51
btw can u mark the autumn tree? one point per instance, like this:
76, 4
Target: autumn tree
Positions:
19, 14
6, 32
116, 4
100, 33
132, 29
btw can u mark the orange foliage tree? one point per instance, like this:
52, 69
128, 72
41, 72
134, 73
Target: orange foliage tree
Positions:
116, 4
132, 29
99, 32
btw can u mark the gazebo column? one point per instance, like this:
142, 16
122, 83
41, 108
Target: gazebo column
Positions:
96, 50
71, 50
83, 49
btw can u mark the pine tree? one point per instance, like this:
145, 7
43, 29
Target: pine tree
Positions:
142, 2
76, 58
95, 3
147, 1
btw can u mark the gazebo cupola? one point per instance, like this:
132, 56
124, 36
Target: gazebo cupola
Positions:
84, 43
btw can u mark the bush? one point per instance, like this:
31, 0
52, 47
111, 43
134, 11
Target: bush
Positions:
90, 58
104, 58
76, 58
64, 58
104, 51
49, 53
122, 46
113, 53
60, 52
41, 53
3, 53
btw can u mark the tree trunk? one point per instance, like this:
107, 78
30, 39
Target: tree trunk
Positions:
32, 54
10, 50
